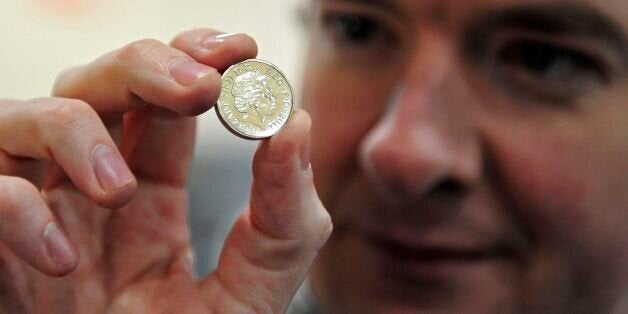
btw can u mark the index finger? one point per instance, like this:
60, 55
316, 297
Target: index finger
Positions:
146, 71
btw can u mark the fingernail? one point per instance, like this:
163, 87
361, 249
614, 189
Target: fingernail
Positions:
58, 247
304, 155
215, 41
110, 169
187, 72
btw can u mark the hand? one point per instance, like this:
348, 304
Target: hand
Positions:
100, 172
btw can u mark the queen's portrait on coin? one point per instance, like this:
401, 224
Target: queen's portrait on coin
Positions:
254, 98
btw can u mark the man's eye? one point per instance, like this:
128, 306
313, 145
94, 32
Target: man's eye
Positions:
549, 61
548, 70
352, 29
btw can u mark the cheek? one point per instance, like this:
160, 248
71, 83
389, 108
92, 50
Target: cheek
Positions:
344, 105
568, 190
545, 181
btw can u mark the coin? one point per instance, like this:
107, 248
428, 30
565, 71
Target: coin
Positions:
256, 99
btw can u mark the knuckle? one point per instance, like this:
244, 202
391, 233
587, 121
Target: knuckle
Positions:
67, 112
177, 38
273, 176
181, 37
267, 196
13, 191
139, 48
62, 83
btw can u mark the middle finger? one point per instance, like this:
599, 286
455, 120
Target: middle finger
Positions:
69, 133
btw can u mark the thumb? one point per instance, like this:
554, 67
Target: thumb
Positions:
272, 245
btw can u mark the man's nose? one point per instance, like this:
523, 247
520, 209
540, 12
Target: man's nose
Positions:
426, 141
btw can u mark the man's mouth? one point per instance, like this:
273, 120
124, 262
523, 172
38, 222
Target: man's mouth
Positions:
439, 253
436, 258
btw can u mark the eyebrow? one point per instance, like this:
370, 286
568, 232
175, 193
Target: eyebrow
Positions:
557, 19
381, 4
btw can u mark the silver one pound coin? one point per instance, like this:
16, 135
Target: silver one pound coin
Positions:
256, 99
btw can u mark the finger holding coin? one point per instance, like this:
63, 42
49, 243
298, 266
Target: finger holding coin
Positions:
256, 99
276, 238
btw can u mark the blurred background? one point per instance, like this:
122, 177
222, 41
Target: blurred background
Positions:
40, 38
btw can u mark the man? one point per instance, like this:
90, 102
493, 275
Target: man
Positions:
472, 155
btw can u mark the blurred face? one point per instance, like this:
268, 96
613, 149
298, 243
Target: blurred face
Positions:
473, 154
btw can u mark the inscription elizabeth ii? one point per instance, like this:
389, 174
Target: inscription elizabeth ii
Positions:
256, 99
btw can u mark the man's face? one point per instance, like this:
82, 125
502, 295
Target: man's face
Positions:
473, 154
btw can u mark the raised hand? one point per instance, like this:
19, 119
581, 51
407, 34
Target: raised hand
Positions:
92, 186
